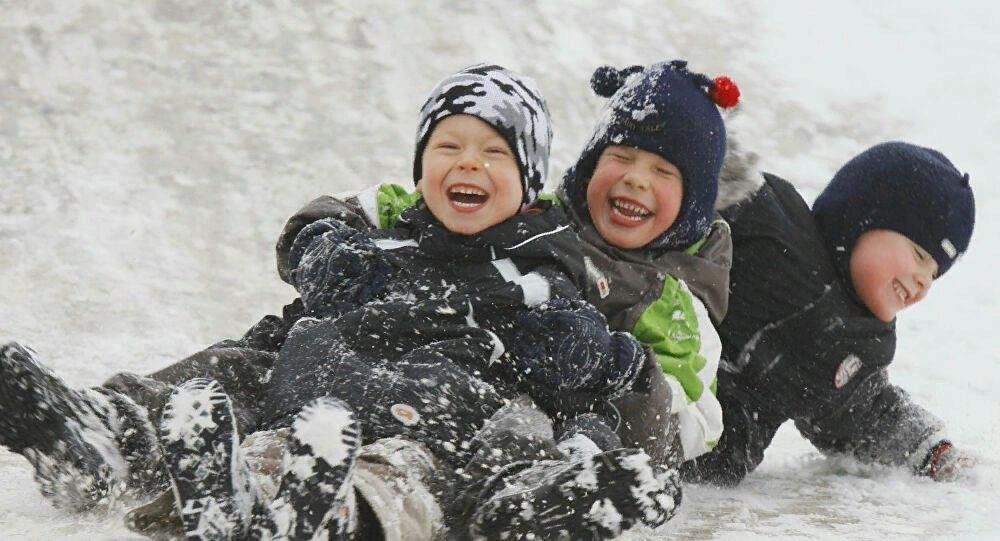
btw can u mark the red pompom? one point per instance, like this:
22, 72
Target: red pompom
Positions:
725, 94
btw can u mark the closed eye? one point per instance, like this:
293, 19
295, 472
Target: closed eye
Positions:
497, 151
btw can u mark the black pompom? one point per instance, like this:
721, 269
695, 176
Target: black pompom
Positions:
606, 80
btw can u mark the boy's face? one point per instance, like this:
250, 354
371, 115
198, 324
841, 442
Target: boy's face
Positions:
470, 179
634, 196
890, 272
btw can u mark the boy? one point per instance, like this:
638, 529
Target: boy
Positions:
660, 134
428, 328
811, 326
641, 196
676, 417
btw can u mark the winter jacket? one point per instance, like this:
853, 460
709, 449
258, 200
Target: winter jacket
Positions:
418, 290
799, 345
675, 325
669, 301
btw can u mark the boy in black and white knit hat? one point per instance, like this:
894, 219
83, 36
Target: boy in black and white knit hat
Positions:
423, 331
508, 102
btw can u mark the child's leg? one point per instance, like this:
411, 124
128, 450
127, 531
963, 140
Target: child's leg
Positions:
598, 497
238, 370
86, 446
316, 491
587, 434
523, 483
404, 487
209, 477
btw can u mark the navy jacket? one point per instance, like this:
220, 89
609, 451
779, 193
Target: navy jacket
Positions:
799, 345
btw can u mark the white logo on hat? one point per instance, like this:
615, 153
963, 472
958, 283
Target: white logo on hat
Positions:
949, 248
848, 367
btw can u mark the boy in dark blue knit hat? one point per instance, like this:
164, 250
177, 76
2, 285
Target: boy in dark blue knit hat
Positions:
641, 195
811, 324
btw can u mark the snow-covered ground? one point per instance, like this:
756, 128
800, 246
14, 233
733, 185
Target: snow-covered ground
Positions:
151, 150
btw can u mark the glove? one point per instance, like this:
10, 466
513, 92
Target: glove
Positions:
566, 345
946, 463
336, 268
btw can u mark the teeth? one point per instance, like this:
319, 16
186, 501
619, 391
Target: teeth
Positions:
467, 190
631, 211
900, 292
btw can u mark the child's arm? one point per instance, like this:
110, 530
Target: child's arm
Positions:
336, 268
377, 207
880, 423
678, 329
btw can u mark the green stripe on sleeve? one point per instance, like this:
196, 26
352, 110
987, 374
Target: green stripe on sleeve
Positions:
391, 200
670, 327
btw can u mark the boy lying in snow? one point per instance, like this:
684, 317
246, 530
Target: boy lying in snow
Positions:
811, 327
640, 195
407, 326
640, 210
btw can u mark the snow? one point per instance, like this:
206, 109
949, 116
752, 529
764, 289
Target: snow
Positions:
150, 152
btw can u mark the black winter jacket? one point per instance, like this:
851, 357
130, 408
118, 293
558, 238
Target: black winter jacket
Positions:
388, 293
799, 345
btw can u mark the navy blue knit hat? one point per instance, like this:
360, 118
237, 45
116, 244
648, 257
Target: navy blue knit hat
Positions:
669, 111
509, 102
914, 191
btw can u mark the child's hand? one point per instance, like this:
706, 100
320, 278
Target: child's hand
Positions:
948, 463
567, 346
336, 268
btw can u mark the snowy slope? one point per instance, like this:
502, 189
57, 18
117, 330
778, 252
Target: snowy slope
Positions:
151, 150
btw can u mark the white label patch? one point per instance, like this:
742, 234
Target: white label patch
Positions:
949, 248
405, 414
848, 367
596, 276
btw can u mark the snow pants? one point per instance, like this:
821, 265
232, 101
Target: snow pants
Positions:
425, 395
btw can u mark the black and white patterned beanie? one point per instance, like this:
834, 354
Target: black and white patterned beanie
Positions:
508, 102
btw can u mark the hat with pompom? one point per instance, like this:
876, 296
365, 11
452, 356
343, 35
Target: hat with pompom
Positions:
912, 190
674, 113
507, 101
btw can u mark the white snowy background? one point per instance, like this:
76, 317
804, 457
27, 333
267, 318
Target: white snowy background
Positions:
150, 151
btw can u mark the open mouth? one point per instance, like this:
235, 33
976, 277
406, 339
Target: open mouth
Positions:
901, 292
468, 197
628, 211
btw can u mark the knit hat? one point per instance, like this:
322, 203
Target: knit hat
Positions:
508, 102
914, 191
669, 111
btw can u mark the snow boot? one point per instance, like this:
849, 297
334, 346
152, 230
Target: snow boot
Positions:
596, 498
88, 448
586, 435
210, 479
316, 495
402, 484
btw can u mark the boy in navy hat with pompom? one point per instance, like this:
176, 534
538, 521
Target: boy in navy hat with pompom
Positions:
811, 326
641, 196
